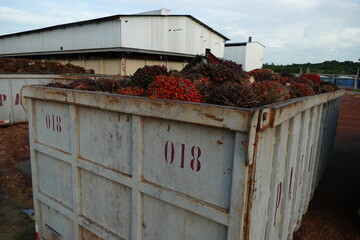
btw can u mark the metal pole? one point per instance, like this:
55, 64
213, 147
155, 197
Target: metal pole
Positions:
356, 79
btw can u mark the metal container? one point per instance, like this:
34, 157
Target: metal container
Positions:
108, 166
11, 110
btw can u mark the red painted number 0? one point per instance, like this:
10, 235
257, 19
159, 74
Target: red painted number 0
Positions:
53, 122
195, 151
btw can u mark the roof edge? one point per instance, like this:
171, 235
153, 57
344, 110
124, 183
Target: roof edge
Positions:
241, 44
109, 18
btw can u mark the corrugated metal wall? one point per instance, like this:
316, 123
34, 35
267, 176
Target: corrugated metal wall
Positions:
236, 54
175, 34
89, 36
169, 34
250, 56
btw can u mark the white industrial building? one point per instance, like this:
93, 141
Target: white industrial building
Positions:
249, 54
119, 44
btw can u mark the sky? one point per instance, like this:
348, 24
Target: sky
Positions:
293, 31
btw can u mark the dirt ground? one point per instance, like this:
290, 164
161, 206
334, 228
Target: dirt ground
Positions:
332, 214
15, 184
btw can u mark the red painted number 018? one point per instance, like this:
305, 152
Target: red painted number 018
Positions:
195, 151
53, 122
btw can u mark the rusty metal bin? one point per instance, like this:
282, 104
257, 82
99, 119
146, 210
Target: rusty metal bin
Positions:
11, 110
108, 166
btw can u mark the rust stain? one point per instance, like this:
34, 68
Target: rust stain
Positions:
219, 142
269, 117
249, 200
212, 116
250, 190
156, 103
55, 92
87, 235
112, 99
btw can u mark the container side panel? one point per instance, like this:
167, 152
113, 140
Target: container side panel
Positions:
261, 189
163, 221
307, 162
191, 159
17, 110
55, 179
5, 101
290, 169
276, 198
300, 175
239, 188
54, 224
53, 125
314, 141
322, 144
106, 138
106, 203
19, 113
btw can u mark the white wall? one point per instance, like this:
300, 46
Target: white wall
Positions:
169, 34
94, 35
175, 34
254, 56
250, 56
236, 54
122, 66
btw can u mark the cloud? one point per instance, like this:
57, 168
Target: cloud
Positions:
323, 31
291, 30
303, 5
19, 16
51, 17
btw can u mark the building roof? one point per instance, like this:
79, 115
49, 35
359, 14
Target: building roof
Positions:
241, 44
109, 18
117, 49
